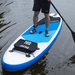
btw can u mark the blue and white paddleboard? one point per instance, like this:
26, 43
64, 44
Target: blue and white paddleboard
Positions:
29, 48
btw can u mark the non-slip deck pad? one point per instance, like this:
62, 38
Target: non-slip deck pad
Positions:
38, 38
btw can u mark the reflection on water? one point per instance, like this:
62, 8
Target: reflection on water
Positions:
72, 59
9, 3
41, 68
1, 15
5, 21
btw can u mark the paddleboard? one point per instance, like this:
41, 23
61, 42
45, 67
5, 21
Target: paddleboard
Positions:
29, 48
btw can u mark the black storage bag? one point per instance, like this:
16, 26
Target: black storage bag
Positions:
25, 46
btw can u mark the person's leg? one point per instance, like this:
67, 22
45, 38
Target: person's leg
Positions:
36, 9
35, 19
46, 9
47, 22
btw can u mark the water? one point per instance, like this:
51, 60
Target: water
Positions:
16, 17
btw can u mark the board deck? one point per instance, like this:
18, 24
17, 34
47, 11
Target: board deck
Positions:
14, 60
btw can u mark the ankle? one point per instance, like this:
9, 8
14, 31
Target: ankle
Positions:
34, 27
46, 30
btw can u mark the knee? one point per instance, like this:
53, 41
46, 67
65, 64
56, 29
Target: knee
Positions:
46, 16
36, 14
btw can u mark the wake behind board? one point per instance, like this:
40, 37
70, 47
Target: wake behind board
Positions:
29, 48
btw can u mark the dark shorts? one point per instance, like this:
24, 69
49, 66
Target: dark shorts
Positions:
43, 5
